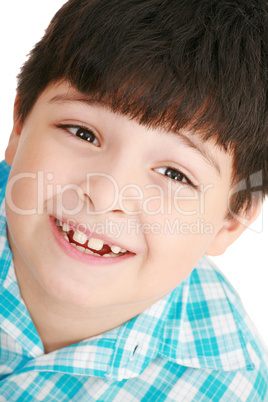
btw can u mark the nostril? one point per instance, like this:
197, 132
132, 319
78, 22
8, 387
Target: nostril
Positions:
89, 204
118, 210
88, 198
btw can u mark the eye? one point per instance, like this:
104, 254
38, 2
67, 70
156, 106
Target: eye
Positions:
175, 175
81, 132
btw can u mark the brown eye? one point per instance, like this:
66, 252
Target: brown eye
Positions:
84, 134
175, 174
81, 132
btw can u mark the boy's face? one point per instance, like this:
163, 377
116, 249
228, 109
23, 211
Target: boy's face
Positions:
111, 183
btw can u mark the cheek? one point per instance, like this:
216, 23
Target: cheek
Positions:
22, 193
188, 214
186, 203
172, 200
178, 238
170, 259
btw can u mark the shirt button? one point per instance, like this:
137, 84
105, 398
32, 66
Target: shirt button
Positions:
133, 353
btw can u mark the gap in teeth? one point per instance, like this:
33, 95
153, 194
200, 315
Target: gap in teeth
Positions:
93, 243
90, 252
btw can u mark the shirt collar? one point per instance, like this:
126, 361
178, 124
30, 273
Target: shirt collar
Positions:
171, 328
196, 326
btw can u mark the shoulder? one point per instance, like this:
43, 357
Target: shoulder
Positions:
5, 252
215, 349
213, 280
4, 173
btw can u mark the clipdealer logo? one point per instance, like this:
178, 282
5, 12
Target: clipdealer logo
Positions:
133, 227
52, 194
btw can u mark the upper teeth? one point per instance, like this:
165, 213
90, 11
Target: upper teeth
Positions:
116, 249
80, 237
96, 244
65, 227
93, 243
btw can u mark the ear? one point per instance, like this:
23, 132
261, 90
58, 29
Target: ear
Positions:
15, 135
232, 229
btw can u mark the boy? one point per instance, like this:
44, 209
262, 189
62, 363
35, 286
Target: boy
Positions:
138, 127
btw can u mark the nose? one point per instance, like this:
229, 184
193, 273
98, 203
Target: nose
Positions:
119, 189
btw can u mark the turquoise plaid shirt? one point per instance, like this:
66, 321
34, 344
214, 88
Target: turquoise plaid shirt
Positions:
195, 344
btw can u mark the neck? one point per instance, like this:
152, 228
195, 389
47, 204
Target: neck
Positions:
60, 324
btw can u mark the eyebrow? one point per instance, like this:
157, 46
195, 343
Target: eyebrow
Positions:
191, 143
79, 97
198, 147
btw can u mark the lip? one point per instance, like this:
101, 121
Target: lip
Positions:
89, 234
78, 255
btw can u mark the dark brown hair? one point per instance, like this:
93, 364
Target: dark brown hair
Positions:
170, 63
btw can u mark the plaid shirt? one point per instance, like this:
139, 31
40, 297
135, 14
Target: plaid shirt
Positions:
195, 344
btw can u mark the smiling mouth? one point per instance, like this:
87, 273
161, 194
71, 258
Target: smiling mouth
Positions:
91, 246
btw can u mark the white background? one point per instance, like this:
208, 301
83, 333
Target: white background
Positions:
245, 263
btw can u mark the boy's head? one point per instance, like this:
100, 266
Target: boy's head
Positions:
169, 101
169, 64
